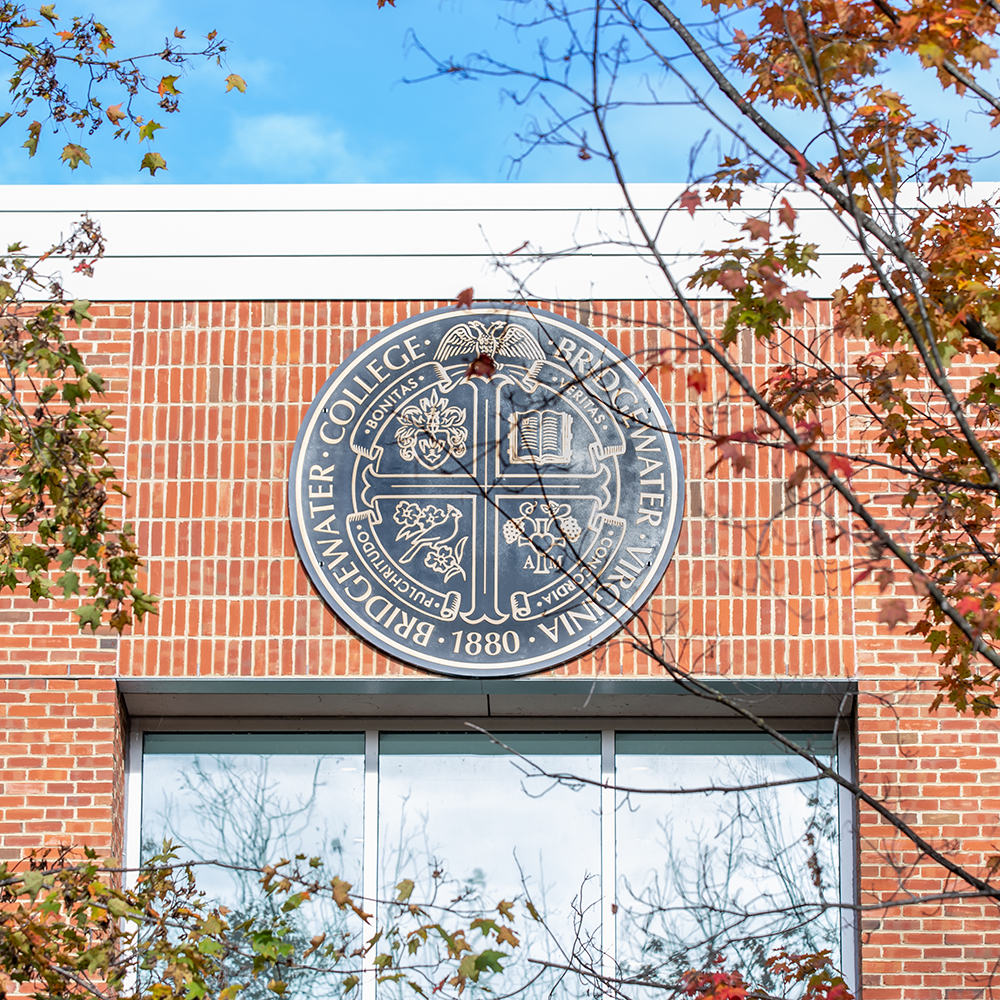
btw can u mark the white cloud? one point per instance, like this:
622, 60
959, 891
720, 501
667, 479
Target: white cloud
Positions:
298, 148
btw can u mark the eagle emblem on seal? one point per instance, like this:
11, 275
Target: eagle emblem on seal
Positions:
491, 342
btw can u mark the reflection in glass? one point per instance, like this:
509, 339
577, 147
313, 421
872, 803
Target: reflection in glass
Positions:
248, 801
457, 815
734, 874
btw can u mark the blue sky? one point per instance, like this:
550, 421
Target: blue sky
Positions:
327, 102
326, 98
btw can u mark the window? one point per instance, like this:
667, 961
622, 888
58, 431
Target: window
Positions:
733, 872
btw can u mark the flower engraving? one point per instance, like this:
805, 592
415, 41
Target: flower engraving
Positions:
431, 430
429, 529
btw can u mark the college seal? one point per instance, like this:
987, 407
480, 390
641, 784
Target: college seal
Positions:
486, 492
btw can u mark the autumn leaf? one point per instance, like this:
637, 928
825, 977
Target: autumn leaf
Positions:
341, 892
34, 131
969, 606
800, 164
797, 478
115, 113
759, 229
690, 200
153, 162
839, 466
48, 11
786, 214
66, 36
147, 129
507, 936
731, 279
506, 909
893, 613
168, 85
74, 155
178, 33
386, 3
464, 298
482, 367
404, 890
698, 380
236, 82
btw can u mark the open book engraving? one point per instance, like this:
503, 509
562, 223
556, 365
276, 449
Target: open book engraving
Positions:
540, 438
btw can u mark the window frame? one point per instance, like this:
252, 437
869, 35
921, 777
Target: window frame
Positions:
372, 707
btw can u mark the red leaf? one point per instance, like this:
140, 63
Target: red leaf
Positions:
969, 605
698, 381
894, 613
464, 298
690, 200
482, 367
731, 279
758, 229
800, 163
796, 299
839, 466
786, 214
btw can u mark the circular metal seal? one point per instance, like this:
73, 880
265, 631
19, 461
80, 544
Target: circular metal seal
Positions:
486, 492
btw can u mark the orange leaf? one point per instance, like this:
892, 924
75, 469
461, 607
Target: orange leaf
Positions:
115, 113
464, 298
698, 381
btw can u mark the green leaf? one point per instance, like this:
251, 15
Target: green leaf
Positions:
33, 882
34, 131
153, 162
79, 311
48, 11
168, 85
490, 960
147, 129
404, 890
70, 583
350, 983
74, 155
89, 615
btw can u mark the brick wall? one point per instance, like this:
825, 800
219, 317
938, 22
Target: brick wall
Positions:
208, 398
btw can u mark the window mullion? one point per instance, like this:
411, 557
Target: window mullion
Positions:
609, 876
369, 877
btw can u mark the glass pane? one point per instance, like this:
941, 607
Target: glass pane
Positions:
736, 874
473, 827
250, 801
